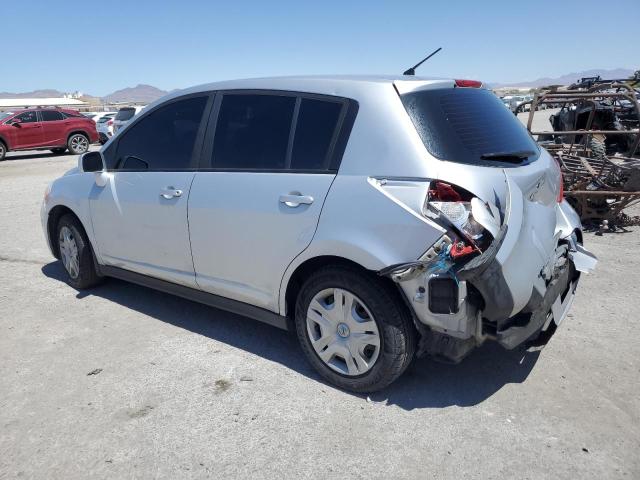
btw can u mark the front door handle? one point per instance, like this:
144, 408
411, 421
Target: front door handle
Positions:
170, 192
295, 199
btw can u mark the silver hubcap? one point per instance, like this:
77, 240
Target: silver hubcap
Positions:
343, 332
69, 252
79, 143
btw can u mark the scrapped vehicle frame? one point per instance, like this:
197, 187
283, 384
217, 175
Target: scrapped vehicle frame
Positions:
598, 188
599, 91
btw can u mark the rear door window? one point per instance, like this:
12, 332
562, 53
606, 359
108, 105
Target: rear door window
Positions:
463, 124
164, 139
252, 131
316, 131
51, 116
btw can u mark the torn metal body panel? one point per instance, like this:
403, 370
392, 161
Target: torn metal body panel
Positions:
519, 287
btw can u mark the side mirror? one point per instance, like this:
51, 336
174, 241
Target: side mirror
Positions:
16, 123
91, 162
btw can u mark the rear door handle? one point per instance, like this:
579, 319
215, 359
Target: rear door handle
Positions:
170, 192
295, 199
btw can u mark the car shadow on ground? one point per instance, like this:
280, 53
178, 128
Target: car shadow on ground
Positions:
426, 384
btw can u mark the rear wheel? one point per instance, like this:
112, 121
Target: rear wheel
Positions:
78, 143
75, 253
354, 329
58, 151
3, 151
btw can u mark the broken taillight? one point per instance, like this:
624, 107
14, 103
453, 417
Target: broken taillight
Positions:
560, 196
468, 83
444, 192
454, 204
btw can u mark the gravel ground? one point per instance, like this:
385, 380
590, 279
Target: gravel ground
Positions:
125, 382
540, 119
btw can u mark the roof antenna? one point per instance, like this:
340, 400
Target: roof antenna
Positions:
412, 70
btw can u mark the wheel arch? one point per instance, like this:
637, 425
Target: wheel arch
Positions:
305, 269
5, 142
55, 214
83, 132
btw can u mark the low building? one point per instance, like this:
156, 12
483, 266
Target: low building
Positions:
13, 103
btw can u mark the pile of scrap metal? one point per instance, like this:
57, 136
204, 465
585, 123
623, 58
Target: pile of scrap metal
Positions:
595, 139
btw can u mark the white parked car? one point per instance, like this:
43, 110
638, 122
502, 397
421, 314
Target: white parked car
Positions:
104, 126
378, 218
95, 116
124, 116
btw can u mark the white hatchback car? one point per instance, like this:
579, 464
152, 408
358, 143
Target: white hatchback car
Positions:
379, 218
104, 126
124, 116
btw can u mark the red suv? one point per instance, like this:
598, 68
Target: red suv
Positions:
54, 129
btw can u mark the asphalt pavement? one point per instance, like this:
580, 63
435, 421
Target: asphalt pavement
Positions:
125, 382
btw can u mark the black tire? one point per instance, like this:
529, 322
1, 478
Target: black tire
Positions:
58, 151
86, 275
3, 151
390, 313
78, 143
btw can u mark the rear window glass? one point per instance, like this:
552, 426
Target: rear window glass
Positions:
253, 132
462, 124
315, 131
125, 114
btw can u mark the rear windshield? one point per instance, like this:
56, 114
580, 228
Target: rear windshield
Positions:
125, 113
463, 124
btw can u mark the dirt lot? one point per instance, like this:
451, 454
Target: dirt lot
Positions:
124, 382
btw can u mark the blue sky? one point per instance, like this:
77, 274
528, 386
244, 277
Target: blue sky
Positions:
99, 47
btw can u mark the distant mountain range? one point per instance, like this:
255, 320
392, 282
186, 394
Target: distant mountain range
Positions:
140, 93
147, 93
569, 78
34, 94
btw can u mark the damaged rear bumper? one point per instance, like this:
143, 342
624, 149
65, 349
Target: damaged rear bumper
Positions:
482, 305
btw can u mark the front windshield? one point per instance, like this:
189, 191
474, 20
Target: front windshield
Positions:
4, 115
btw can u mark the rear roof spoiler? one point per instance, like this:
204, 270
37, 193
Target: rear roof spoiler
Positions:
407, 86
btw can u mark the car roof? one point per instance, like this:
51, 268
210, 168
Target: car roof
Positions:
321, 84
300, 81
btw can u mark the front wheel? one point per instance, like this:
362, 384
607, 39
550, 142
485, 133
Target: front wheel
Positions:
75, 253
354, 328
3, 151
78, 143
